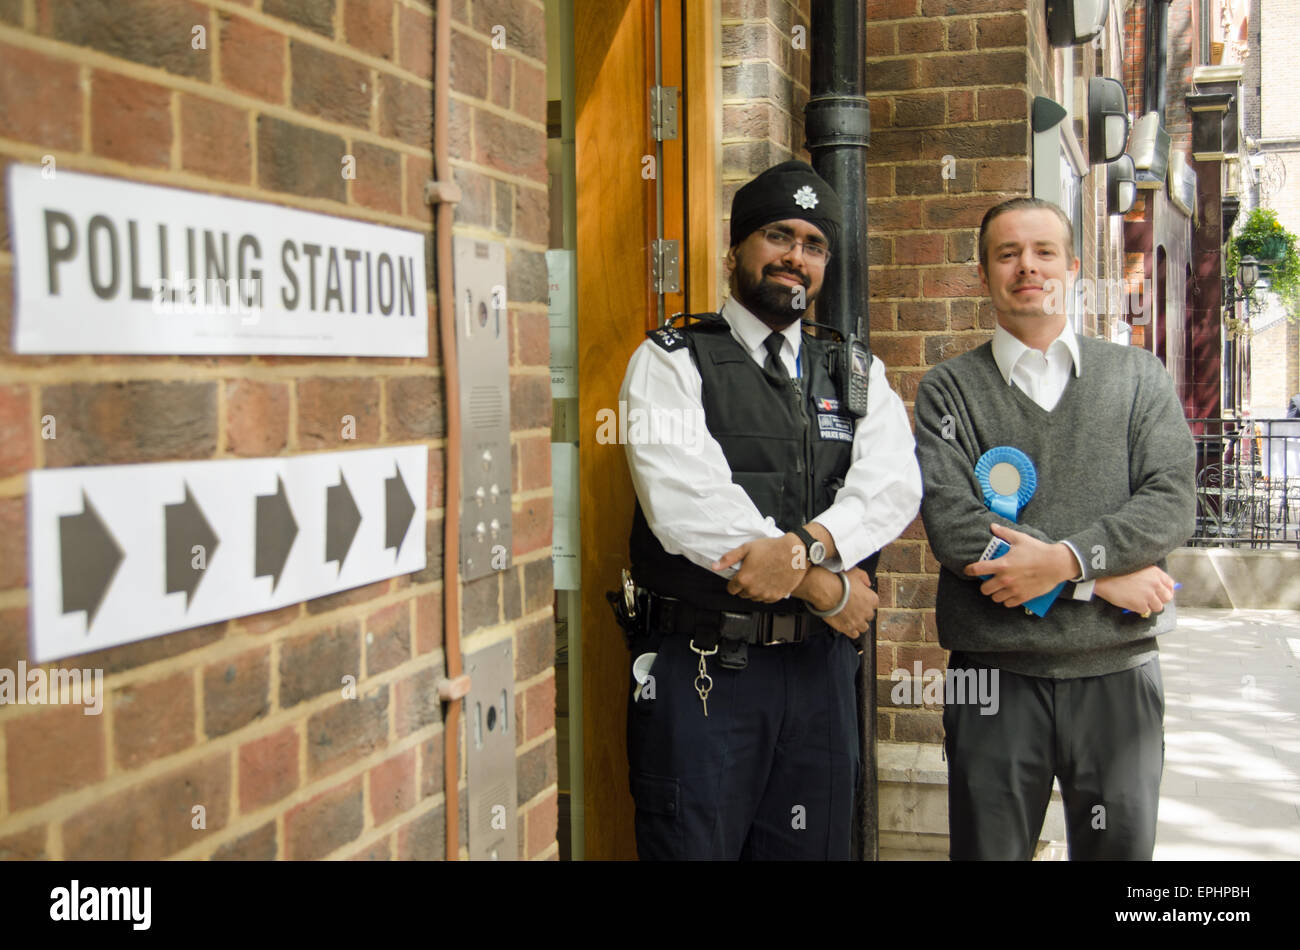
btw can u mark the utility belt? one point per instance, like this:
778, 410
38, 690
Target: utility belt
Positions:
645, 615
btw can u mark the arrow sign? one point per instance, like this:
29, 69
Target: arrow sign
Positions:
398, 509
90, 557
342, 518
276, 530
187, 529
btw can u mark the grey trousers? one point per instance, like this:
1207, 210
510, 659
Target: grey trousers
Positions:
1101, 736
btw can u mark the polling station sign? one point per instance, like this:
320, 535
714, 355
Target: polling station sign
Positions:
103, 265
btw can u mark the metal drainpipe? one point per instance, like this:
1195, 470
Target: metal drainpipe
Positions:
443, 193
837, 129
1156, 62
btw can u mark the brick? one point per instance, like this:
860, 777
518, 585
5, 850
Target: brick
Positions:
316, 663
48, 753
332, 87
921, 315
534, 462
961, 247
503, 207
16, 437
346, 732
135, 655
418, 171
432, 554
428, 623
892, 282
268, 769
1002, 104
215, 140
987, 69
885, 75
153, 820
122, 422
918, 727
940, 348
534, 648
961, 314
959, 281
40, 99
469, 65
914, 110
392, 787
149, 32
961, 34
298, 160
11, 12
1012, 176
431, 766
381, 850
533, 523
525, 25
257, 845
425, 838
378, 183
475, 206
346, 598
368, 26
153, 720
388, 638
13, 544
406, 112
881, 315
961, 106
417, 701
236, 692
130, 120
890, 9
527, 278
898, 625
315, 15
324, 402
920, 36
530, 91
325, 823
257, 417
918, 249
460, 123
414, 408
882, 39
543, 820
534, 346
510, 147
895, 215
540, 703
966, 7
252, 58
897, 350
1007, 30
530, 401
536, 770
269, 620
480, 603
27, 845
501, 84
955, 211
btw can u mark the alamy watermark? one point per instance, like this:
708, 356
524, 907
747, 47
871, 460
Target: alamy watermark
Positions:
654, 426
1118, 297
931, 687
218, 296
38, 687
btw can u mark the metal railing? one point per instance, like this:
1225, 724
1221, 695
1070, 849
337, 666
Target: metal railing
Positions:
1247, 482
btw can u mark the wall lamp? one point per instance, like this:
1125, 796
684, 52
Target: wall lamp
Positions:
1121, 185
1149, 146
1071, 22
1107, 120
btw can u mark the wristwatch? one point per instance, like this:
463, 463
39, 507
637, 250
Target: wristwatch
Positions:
815, 550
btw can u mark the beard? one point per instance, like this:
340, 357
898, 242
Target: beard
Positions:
772, 302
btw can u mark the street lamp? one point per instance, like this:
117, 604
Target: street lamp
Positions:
1243, 288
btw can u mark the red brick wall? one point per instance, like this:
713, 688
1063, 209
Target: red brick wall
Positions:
246, 717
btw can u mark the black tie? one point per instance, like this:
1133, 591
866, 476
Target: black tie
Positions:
773, 366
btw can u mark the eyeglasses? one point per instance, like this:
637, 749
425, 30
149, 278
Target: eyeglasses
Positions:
816, 253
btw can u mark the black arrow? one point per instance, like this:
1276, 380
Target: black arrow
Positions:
90, 557
342, 517
275, 532
186, 528
400, 508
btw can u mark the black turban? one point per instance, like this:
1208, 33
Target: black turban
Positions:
789, 190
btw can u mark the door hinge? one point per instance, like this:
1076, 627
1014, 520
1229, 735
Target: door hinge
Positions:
663, 112
665, 266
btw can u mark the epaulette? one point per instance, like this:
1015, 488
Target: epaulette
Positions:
672, 338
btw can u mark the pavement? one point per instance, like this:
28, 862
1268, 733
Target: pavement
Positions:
1231, 785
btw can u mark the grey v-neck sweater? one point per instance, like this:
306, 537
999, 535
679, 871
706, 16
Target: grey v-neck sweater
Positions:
1116, 478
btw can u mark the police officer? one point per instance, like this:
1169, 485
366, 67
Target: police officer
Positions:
753, 515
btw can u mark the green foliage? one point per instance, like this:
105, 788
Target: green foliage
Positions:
1262, 236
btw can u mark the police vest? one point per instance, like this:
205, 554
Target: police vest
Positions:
788, 448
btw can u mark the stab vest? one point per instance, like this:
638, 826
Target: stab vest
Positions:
788, 451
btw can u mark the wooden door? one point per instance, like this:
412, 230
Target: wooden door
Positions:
618, 221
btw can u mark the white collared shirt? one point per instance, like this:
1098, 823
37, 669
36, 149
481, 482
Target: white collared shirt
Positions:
687, 493
1043, 378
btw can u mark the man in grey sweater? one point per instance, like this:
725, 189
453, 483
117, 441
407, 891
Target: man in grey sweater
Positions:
1079, 693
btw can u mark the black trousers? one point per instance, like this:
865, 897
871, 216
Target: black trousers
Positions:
1101, 736
769, 774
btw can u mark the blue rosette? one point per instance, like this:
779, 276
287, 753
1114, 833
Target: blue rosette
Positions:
1008, 505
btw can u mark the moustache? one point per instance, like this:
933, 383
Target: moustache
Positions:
774, 272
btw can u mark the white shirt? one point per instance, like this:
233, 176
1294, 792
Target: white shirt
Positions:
686, 490
1043, 378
